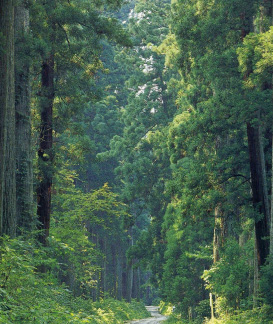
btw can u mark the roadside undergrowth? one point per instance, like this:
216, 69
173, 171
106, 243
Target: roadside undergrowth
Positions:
261, 315
29, 296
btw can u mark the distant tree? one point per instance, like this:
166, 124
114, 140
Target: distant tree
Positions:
139, 147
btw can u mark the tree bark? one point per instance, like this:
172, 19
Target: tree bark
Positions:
271, 212
24, 169
7, 120
259, 191
45, 154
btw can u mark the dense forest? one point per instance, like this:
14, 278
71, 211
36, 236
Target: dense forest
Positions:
136, 160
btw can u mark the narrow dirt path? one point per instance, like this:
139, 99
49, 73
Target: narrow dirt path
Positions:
155, 319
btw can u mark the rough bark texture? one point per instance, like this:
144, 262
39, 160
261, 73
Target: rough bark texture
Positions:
259, 192
7, 120
271, 219
45, 154
24, 170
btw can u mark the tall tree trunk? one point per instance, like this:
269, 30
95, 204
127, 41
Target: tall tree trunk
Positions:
45, 154
24, 170
259, 191
9, 201
220, 221
136, 284
271, 212
218, 233
7, 120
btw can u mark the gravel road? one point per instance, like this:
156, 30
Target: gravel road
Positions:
155, 319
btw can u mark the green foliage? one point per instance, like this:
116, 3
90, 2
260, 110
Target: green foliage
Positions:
185, 258
165, 308
255, 58
266, 282
256, 66
77, 221
28, 296
261, 315
168, 134
141, 150
209, 159
228, 278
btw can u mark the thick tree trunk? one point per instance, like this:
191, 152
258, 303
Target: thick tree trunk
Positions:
136, 284
271, 219
24, 170
45, 154
9, 199
7, 120
259, 192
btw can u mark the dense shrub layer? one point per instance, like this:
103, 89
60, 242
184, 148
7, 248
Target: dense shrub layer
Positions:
30, 292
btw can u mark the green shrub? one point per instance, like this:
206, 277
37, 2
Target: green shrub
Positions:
29, 296
165, 308
266, 283
202, 311
261, 315
228, 278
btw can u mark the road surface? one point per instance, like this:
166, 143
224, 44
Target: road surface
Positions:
155, 319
